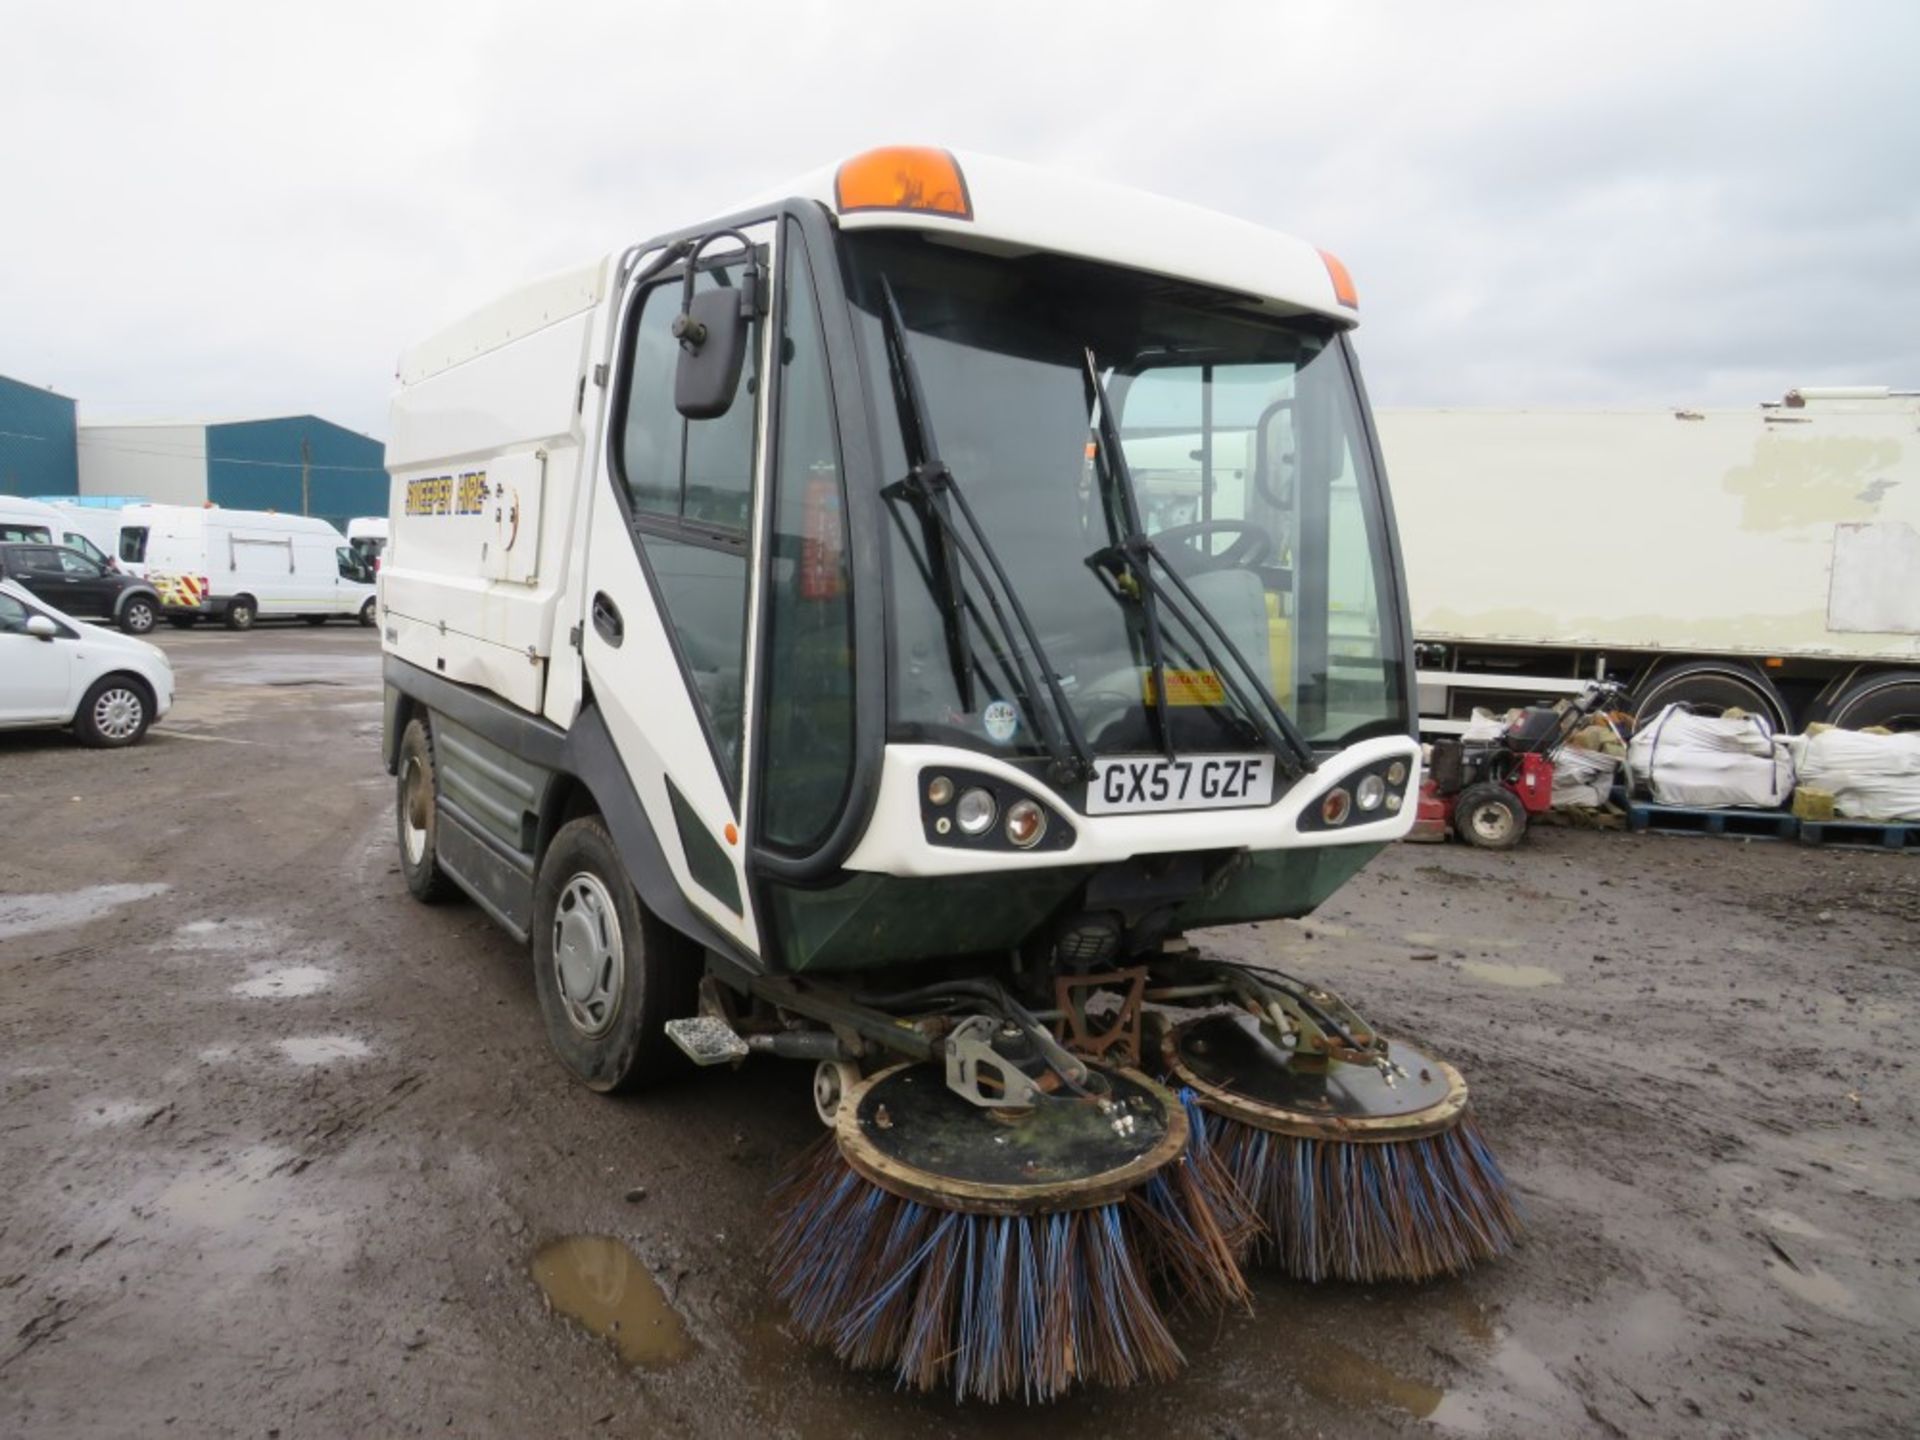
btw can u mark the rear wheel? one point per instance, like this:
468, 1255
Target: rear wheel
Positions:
369, 612
609, 975
1490, 816
241, 613
418, 819
137, 615
115, 712
1711, 687
1891, 699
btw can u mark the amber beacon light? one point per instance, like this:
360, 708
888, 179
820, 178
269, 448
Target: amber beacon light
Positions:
903, 177
1343, 290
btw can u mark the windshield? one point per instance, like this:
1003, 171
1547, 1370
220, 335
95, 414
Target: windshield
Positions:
1244, 438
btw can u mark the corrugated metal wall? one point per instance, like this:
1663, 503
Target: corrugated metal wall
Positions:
36, 443
258, 465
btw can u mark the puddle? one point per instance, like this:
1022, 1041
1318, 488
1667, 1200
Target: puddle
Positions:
1815, 1286
226, 936
323, 1049
227, 1194
1523, 977
284, 983
116, 1112
26, 914
600, 1283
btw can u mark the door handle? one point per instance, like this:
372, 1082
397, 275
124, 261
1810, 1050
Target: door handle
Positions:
606, 619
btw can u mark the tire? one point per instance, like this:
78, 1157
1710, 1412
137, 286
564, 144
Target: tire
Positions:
314, 620
241, 613
1891, 698
417, 818
137, 616
370, 613
1489, 816
1709, 687
609, 975
183, 622
114, 713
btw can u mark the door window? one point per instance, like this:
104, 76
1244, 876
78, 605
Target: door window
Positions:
13, 616
74, 563
37, 560
689, 489
133, 543
809, 668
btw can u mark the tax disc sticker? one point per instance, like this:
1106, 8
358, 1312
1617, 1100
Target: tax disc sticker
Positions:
1001, 721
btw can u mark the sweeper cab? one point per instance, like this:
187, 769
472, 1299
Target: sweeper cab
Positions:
877, 627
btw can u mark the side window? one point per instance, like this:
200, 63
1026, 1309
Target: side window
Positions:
13, 616
689, 486
74, 563
133, 543
86, 547
809, 670
37, 560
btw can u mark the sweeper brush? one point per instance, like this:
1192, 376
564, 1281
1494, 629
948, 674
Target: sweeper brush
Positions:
1359, 1154
1007, 1253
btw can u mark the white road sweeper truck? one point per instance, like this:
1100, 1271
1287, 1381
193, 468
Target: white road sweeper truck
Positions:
777, 641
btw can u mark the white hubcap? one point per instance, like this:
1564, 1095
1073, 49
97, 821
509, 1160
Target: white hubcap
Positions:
116, 714
587, 954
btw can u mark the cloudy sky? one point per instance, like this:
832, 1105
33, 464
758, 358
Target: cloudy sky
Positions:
211, 209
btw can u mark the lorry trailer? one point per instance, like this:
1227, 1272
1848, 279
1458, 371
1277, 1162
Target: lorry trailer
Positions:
1765, 558
780, 642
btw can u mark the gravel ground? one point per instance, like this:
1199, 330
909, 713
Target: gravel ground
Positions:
278, 1146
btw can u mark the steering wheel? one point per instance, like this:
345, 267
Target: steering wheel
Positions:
1254, 545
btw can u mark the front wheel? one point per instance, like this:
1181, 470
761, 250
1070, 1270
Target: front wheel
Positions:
609, 975
370, 612
241, 613
1490, 816
137, 615
115, 712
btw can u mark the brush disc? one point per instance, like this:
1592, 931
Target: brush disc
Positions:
906, 1132
1238, 1072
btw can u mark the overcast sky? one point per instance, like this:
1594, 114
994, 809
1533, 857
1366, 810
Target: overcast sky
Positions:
251, 209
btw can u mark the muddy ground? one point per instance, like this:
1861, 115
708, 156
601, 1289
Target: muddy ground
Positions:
278, 1146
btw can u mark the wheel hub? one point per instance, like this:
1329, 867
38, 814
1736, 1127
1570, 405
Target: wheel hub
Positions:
588, 955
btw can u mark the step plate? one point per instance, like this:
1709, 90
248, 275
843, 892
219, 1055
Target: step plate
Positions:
706, 1040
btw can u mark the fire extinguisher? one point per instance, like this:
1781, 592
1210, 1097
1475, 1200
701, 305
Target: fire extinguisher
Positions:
822, 542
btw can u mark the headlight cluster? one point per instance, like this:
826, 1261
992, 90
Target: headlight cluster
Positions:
961, 807
1374, 793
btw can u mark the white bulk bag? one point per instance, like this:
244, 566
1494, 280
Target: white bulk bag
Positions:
1871, 777
1711, 762
1582, 777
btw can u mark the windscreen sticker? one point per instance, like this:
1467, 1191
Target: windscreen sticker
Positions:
1001, 721
1187, 687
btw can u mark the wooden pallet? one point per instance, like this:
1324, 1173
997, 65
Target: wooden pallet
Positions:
1860, 834
1644, 817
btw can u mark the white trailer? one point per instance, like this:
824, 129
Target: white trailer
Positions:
239, 565
1766, 558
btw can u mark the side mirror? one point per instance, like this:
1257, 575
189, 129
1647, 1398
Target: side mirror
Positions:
712, 332
41, 628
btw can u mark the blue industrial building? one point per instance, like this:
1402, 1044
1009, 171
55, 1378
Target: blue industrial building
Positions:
37, 451
295, 464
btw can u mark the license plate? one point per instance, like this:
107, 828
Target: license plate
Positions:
1123, 784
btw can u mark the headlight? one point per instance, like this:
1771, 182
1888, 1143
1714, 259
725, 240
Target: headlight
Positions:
1026, 823
1397, 773
1370, 792
1336, 807
974, 815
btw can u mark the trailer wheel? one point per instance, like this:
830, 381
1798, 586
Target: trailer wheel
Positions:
417, 817
609, 975
1490, 816
1710, 687
241, 612
1891, 698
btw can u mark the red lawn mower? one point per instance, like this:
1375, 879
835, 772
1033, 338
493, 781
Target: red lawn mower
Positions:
1486, 790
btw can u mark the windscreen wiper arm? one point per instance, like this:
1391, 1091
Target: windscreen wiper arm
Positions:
1139, 555
930, 485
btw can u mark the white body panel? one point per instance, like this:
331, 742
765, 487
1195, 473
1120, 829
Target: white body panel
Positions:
45, 680
165, 463
100, 527
289, 564
896, 842
1768, 532
31, 520
367, 527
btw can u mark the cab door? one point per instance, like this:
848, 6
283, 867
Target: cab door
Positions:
669, 593
39, 673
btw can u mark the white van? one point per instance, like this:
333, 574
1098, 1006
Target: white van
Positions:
243, 564
368, 535
93, 530
37, 522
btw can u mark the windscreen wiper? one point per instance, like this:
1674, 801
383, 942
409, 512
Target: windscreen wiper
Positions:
1136, 557
930, 486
